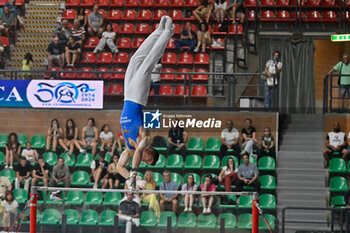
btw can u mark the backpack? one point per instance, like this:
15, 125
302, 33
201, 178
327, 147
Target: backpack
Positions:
158, 141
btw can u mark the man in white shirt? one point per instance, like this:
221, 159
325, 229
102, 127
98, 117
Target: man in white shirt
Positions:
335, 142
272, 69
229, 139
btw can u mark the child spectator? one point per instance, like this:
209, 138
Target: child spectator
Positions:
114, 178
99, 171
219, 10
73, 51
89, 137
203, 11
208, 186
53, 134
27, 65
189, 198
106, 137
30, 154
23, 170
204, 38
13, 150
9, 206
228, 175
41, 172
108, 37
70, 137
151, 198
60, 173
267, 143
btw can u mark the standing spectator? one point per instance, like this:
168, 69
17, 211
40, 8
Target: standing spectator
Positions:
11, 4
13, 150
114, 178
106, 137
151, 198
229, 139
95, 22
78, 33
8, 22
187, 38
53, 134
237, 10
207, 186
204, 38
5, 185
267, 143
189, 198
55, 52
177, 138
41, 172
99, 171
108, 37
81, 16
129, 212
156, 81
343, 68
73, 51
120, 141
220, 10
249, 137
228, 177
248, 174
63, 31
203, 11
23, 170
9, 206
168, 197
272, 69
335, 142
27, 64
30, 154
70, 137
89, 137
60, 173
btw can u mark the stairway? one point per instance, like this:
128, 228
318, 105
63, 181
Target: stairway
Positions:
301, 173
40, 22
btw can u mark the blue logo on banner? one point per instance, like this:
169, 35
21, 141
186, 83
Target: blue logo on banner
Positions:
151, 120
13, 93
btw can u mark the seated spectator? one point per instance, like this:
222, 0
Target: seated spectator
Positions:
30, 154
41, 172
129, 212
204, 38
9, 206
73, 51
177, 138
70, 137
8, 22
267, 143
78, 33
106, 137
167, 198
335, 142
187, 38
55, 52
11, 4
53, 134
23, 170
81, 16
237, 10
114, 178
248, 175
108, 37
208, 186
203, 11
60, 173
95, 22
27, 65
220, 10
5, 185
189, 198
228, 175
89, 137
156, 80
151, 198
13, 150
63, 31
120, 141
99, 171
249, 138
229, 139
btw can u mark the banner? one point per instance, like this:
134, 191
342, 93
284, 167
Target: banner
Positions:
51, 94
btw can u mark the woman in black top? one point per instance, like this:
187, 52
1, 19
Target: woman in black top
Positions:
249, 138
73, 51
81, 16
70, 136
13, 150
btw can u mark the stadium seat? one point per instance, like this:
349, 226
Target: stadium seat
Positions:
197, 179
103, 73
267, 15
72, 3
330, 16
206, 221
212, 145
163, 219
129, 14
88, 218
267, 2
177, 29
87, 3
124, 43
74, 198
20, 195
137, 42
193, 162
171, 44
121, 58
313, 3
235, 29
195, 145
2, 158
114, 14
245, 202
38, 141
50, 158
216, 30
211, 162
69, 14
107, 218
93, 198
127, 28
144, 14
187, 220
41, 197
87, 12
112, 199
267, 182
3, 140
282, 2
283, 16
201, 59
167, 77
338, 184
9, 173
180, 91
69, 160
86, 74
157, 178
270, 219
80, 178
115, 89
175, 15
50, 74
91, 43
176, 177
118, 75
169, 59
267, 201
22, 139
191, 3
146, 3
185, 59
251, 15
84, 160
200, 77
50, 217
313, 16
328, 3
166, 90
88, 58
142, 29
148, 219
72, 216
175, 161
160, 163
249, 3
115, 27
230, 220
158, 14
245, 221
116, 3
181, 77
267, 164
337, 165
131, 3
102, 3
177, 3
339, 201
68, 74
232, 199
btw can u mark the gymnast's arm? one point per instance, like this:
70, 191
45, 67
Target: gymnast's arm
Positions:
123, 161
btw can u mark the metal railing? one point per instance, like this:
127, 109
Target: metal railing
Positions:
332, 99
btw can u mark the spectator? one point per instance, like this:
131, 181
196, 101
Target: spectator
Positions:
81, 16
55, 52
11, 4
228, 175
8, 22
53, 134
63, 31
129, 212
272, 69
249, 137
267, 143
220, 10
204, 38
177, 138
9, 206
60, 173
106, 137
108, 37
95, 22
73, 51
187, 38
203, 11
120, 141
89, 137
166, 198
78, 33
13, 150
335, 142
189, 198
70, 137
99, 171
156, 81
151, 198
237, 10
343, 67
207, 186
23, 170
131, 184
27, 64
41, 172
229, 139
114, 178
30, 154
248, 174
5, 185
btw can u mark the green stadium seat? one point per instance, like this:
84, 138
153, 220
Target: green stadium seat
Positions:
9, 173
252, 159
41, 197
84, 160
338, 184
20, 195
338, 200
22, 139
267, 182
337, 166
163, 219
107, 218
267, 201
3, 140
50, 217
187, 220
107, 157
195, 145
50, 158
230, 220
2, 158
193, 162
245, 202
158, 178
206, 221
245, 221
112, 199
211, 162
160, 163
212, 145
176, 177
175, 161
72, 216
231, 198
270, 219
160, 149
27, 221
212, 175
80, 178
267, 164
89, 218
38, 141
148, 219
197, 179
74, 198
69, 160
93, 198
224, 160
54, 202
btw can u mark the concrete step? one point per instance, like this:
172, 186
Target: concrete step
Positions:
303, 203
300, 176
282, 196
42, 11
282, 188
297, 170
305, 125
303, 147
301, 141
302, 183
296, 154
302, 130
303, 135
296, 157
30, 39
299, 164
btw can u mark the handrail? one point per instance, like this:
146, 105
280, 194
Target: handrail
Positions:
330, 93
